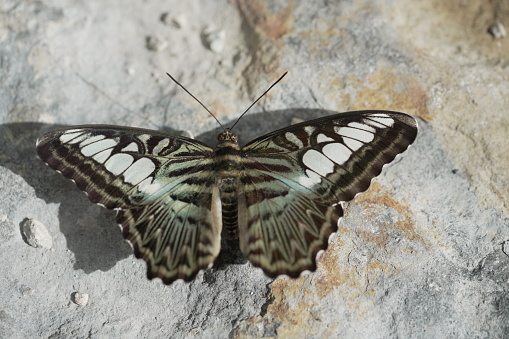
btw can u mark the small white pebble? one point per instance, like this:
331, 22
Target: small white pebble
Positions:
214, 39
179, 21
166, 18
3, 217
26, 291
36, 234
296, 121
80, 298
497, 30
155, 44
187, 133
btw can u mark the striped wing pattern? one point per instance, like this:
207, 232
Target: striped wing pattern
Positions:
297, 176
164, 202
283, 190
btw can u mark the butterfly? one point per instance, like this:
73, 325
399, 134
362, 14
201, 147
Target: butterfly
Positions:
280, 195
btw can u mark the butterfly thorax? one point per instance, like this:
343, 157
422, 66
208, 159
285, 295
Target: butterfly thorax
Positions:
227, 163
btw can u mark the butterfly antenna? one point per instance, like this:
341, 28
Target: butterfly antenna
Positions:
202, 105
274, 84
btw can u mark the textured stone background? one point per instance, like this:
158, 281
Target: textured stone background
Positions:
422, 254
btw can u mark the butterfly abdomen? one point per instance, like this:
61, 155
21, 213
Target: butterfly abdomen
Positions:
229, 210
227, 166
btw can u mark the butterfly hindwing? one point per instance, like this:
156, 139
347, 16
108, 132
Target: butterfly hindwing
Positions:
178, 235
299, 174
168, 207
281, 229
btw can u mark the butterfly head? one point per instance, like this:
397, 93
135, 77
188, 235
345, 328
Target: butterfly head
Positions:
227, 136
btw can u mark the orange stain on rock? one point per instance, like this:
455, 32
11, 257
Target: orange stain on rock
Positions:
293, 316
384, 89
293, 300
259, 17
333, 272
405, 225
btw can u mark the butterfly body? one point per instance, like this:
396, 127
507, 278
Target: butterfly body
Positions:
228, 168
279, 195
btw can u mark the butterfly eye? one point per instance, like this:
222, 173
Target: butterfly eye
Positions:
227, 136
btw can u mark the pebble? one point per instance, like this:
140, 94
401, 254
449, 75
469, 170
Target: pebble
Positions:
166, 18
155, 44
80, 298
36, 234
214, 39
177, 22
497, 30
26, 291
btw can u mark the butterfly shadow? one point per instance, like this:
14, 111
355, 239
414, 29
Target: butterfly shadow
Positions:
88, 229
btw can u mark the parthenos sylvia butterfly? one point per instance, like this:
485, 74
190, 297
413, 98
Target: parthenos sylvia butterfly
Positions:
279, 195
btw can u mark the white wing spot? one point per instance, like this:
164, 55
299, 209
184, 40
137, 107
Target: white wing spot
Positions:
323, 138
101, 157
148, 187
74, 137
132, 147
293, 139
318, 162
311, 180
354, 133
97, 147
118, 163
91, 140
365, 127
309, 130
74, 130
139, 170
160, 146
381, 120
353, 144
337, 152
144, 137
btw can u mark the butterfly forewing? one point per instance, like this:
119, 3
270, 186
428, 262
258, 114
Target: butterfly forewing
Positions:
173, 194
295, 177
168, 205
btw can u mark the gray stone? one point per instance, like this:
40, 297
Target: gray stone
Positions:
155, 43
178, 22
421, 254
497, 30
36, 234
80, 298
214, 39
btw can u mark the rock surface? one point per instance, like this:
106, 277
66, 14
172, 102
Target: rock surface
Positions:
422, 254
